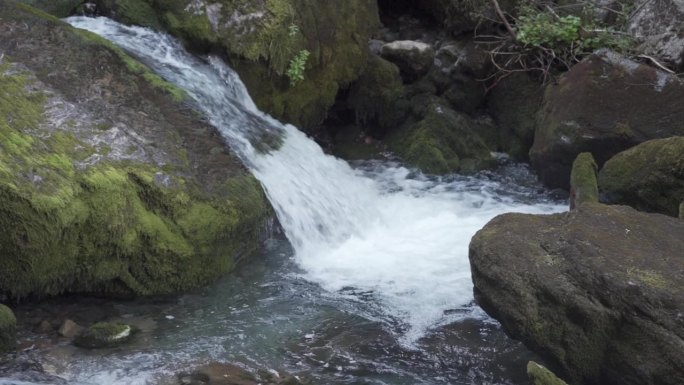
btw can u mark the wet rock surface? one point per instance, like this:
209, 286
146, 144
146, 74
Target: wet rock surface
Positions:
598, 291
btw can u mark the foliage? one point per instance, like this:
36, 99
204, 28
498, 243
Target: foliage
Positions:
544, 39
542, 29
297, 67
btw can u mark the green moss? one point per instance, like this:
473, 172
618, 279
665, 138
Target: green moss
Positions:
542, 376
650, 278
443, 142
51, 8
583, 179
649, 176
137, 12
8, 329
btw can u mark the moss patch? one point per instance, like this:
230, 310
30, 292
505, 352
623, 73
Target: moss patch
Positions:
583, 179
542, 376
8, 329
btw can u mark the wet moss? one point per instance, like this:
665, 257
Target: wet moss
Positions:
583, 179
104, 335
8, 329
542, 376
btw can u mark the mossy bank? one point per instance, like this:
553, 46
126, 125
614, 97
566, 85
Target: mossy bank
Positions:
109, 182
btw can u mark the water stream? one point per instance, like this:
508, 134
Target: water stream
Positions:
371, 283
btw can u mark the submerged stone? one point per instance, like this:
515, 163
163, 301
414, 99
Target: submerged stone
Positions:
104, 335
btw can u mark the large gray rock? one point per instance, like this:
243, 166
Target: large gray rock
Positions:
598, 292
603, 105
659, 25
649, 177
413, 58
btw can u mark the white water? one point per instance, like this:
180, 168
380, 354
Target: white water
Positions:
399, 242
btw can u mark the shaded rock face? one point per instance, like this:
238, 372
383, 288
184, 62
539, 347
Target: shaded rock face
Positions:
598, 291
109, 183
8, 329
658, 25
514, 104
649, 177
603, 105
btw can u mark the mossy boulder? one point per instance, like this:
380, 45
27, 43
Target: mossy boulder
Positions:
109, 182
263, 37
598, 292
444, 141
649, 177
8, 329
104, 335
414, 58
378, 98
603, 105
583, 180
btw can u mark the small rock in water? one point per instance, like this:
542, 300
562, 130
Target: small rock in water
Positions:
69, 328
104, 335
170, 317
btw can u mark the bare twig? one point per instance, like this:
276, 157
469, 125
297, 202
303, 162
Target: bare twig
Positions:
657, 63
503, 19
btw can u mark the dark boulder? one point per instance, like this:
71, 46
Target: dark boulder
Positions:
649, 177
603, 105
598, 291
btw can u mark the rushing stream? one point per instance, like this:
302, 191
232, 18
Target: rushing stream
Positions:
371, 285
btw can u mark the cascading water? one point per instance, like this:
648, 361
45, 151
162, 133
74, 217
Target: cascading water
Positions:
406, 249
383, 253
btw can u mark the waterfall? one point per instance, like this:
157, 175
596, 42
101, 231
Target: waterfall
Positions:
384, 235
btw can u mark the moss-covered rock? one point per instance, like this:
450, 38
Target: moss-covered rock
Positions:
583, 180
598, 291
8, 329
263, 37
378, 98
108, 183
649, 177
443, 141
542, 376
104, 335
603, 105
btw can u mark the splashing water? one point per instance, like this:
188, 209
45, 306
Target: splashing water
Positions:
379, 235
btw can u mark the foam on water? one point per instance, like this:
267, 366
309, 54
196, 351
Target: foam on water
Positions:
399, 241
